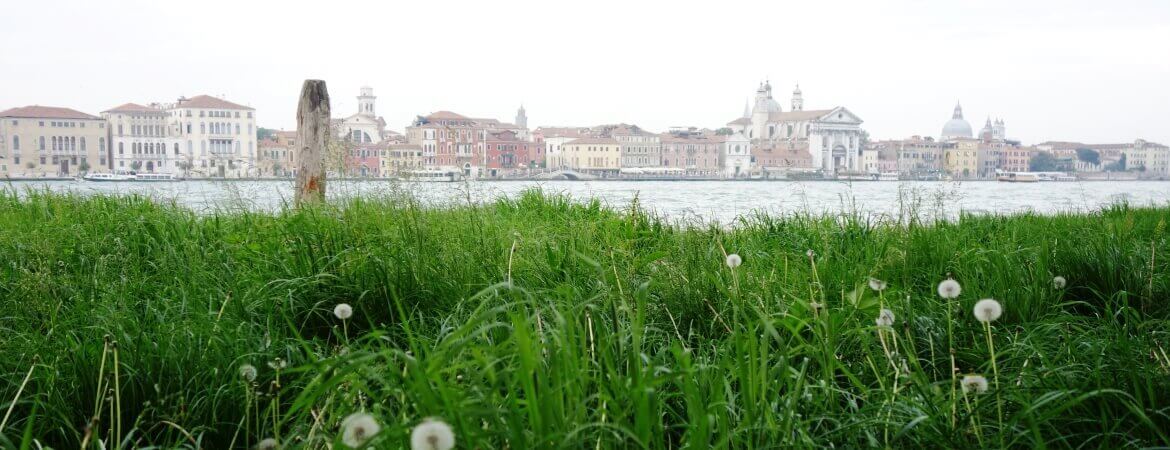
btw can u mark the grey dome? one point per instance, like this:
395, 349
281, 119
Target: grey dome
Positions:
957, 127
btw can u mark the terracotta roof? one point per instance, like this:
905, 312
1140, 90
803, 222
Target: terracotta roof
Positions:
286, 134
46, 112
559, 132
446, 115
741, 121
133, 107
592, 140
209, 102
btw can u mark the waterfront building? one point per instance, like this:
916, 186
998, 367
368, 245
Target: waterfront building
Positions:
508, 154
832, 137
639, 148
694, 151
1149, 158
552, 139
44, 141
1015, 158
277, 155
142, 139
454, 141
399, 158
364, 160
781, 158
736, 156
919, 157
595, 155
217, 137
961, 159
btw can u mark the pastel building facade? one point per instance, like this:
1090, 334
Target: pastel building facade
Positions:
47, 141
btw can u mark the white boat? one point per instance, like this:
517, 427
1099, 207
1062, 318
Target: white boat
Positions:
1018, 177
122, 175
888, 176
433, 176
155, 177
116, 176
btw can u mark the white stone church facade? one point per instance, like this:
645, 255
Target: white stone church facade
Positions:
832, 137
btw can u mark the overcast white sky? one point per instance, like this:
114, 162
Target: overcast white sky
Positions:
1091, 71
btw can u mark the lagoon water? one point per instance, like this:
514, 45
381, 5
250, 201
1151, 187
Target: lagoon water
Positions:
721, 201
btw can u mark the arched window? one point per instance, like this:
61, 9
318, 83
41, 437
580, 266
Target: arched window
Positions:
16, 142
176, 148
237, 129
202, 128
120, 149
202, 148
83, 144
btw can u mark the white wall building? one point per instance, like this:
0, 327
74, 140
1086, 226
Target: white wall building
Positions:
365, 126
142, 140
737, 156
217, 137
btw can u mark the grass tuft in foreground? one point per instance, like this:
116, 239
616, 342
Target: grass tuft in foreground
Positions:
539, 322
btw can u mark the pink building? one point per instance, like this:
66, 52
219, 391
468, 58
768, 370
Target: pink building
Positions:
506, 153
694, 151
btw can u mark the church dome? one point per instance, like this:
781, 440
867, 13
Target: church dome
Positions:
957, 127
772, 105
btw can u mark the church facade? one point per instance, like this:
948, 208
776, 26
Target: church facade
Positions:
832, 138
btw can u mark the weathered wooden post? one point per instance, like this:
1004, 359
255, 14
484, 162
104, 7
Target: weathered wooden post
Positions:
312, 140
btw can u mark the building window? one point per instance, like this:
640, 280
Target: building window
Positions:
102, 145
15, 142
120, 149
83, 144
42, 142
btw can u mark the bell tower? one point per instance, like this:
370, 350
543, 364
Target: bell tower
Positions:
366, 101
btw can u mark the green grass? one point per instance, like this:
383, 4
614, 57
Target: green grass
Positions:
541, 322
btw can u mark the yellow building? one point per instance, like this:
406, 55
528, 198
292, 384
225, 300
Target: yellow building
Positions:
400, 158
961, 159
593, 155
45, 141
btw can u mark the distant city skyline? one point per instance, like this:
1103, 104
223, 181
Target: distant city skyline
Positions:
1074, 71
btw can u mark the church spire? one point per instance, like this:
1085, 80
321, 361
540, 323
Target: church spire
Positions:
958, 111
797, 99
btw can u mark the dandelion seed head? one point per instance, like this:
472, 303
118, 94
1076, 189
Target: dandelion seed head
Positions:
885, 318
949, 288
343, 311
1058, 282
277, 364
987, 310
432, 434
248, 372
876, 284
810, 253
357, 428
733, 260
268, 444
974, 383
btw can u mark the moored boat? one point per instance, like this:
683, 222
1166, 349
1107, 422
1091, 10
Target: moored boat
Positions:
1018, 177
432, 176
122, 175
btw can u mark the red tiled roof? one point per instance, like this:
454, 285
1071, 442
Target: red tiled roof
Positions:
209, 102
446, 115
741, 121
583, 141
133, 107
46, 112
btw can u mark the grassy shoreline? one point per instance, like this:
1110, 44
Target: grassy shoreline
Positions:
539, 322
